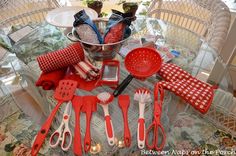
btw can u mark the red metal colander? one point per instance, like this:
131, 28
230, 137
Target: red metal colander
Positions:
141, 63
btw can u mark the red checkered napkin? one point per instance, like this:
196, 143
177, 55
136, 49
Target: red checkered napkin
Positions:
197, 93
61, 58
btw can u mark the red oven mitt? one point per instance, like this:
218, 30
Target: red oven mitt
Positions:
62, 58
197, 93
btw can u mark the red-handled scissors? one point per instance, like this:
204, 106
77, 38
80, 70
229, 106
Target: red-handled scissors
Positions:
156, 128
63, 132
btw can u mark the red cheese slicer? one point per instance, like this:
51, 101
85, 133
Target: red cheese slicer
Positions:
63, 93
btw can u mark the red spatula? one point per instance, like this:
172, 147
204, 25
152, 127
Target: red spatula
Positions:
89, 106
63, 93
124, 102
77, 103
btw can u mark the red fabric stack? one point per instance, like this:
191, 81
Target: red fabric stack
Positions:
197, 93
61, 58
50, 80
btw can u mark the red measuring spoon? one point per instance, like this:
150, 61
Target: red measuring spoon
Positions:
63, 93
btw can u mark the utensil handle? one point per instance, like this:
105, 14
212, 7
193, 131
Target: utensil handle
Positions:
109, 130
150, 130
163, 141
141, 133
54, 136
87, 137
44, 130
77, 136
67, 140
127, 136
123, 85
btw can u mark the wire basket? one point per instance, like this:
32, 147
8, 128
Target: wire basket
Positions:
222, 111
99, 51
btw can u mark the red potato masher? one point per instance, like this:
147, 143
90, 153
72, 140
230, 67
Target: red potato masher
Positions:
141, 63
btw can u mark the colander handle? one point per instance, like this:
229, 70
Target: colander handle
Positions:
123, 85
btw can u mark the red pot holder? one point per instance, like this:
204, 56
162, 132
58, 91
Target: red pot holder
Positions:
70, 55
197, 93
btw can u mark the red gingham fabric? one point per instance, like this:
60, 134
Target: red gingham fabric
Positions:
197, 93
61, 58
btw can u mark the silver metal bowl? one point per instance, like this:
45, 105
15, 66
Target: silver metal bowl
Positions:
98, 51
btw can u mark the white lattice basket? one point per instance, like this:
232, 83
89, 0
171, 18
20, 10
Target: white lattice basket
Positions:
210, 19
222, 112
14, 12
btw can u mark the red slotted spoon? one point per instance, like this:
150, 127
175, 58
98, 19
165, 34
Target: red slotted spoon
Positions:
63, 93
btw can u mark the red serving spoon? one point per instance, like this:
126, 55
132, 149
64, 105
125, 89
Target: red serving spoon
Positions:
63, 93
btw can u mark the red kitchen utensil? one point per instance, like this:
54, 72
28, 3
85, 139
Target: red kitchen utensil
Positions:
89, 106
104, 99
124, 102
63, 133
156, 128
77, 103
141, 63
63, 93
110, 73
143, 96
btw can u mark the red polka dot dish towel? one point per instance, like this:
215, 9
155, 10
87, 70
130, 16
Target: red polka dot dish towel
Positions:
59, 59
197, 93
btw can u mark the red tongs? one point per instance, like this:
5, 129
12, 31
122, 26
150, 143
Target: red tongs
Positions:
156, 124
63, 93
